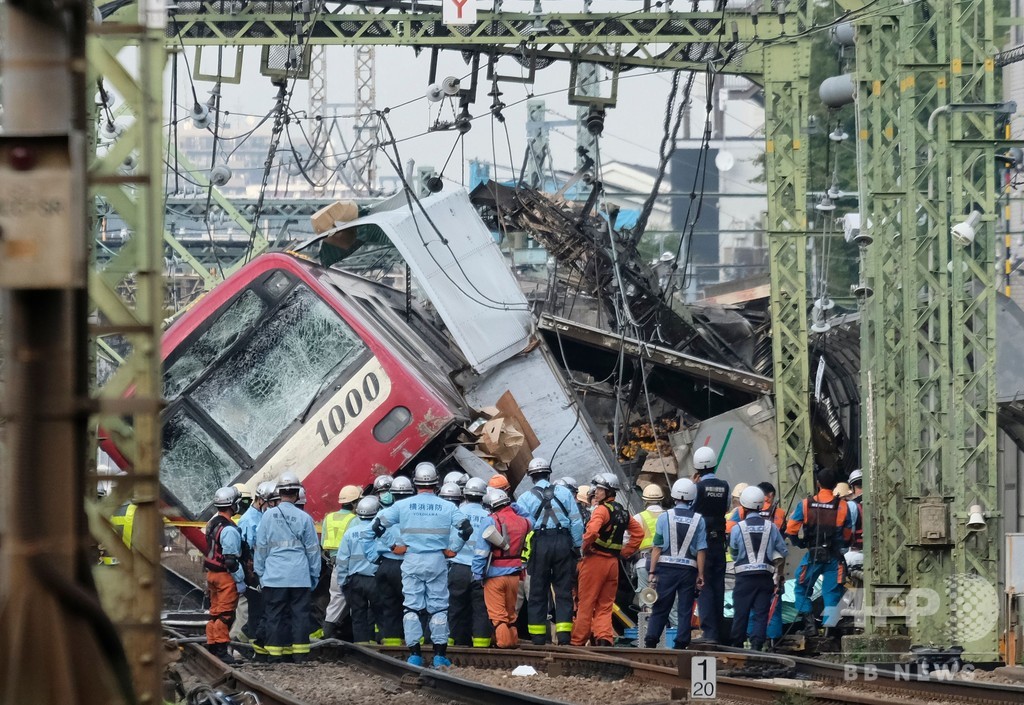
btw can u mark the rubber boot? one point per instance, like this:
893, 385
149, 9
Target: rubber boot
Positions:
810, 627
415, 656
330, 630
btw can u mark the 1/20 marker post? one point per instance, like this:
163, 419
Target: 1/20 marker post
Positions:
703, 678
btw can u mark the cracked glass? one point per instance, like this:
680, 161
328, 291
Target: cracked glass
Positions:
236, 320
193, 465
266, 384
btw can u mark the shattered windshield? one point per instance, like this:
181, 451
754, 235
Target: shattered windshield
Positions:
262, 387
193, 466
198, 355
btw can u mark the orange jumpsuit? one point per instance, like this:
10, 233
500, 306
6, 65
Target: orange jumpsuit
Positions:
223, 603
599, 571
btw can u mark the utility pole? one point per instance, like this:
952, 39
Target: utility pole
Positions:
537, 148
317, 104
364, 148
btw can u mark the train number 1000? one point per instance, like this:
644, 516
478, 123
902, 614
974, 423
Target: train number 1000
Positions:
348, 409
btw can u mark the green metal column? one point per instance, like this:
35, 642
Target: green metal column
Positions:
926, 124
132, 588
786, 73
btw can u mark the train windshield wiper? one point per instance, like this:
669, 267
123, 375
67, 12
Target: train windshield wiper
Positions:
328, 377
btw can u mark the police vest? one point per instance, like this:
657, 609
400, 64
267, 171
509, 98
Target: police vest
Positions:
333, 529
514, 528
713, 504
649, 519
821, 523
755, 532
609, 538
215, 553
682, 528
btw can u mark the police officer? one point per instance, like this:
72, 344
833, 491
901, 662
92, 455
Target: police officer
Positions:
333, 529
288, 562
712, 504
224, 576
827, 528
756, 545
431, 531
355, 574
557, 537
378, 550
677, 563
467, 610
603, 544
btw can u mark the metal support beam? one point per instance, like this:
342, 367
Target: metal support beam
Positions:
786, 71
926, 119
132, 588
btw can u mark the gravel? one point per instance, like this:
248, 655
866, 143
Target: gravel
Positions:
336, 684
571, 689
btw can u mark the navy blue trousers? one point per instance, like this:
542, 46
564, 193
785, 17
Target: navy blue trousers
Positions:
674, 582
752, 595
711, 602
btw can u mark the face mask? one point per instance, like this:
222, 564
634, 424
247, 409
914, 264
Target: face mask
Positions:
387, 499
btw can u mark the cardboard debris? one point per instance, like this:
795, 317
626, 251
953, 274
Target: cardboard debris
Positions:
659, 466
506, 439
329, 217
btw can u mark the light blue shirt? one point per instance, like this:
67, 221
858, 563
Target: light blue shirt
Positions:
663, 538
377, 548
287, 549
477, 516
231, 545
427, 522
776, 544
248, 524
351, 559
570, 519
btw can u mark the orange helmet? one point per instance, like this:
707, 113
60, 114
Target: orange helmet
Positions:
499, 481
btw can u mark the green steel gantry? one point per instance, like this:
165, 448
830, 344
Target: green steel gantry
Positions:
926, 143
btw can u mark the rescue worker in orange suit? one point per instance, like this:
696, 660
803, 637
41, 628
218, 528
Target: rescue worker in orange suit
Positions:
827, 528
713, 504
500, 564
758, 548
557, 536
599, 569
224, 575
677, 563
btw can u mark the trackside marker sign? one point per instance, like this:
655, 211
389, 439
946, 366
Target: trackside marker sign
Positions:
459, 12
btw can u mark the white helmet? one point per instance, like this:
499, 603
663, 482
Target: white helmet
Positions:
382, 483
496, 499
450, 491
225, 497
569, 483
368, 507
685, 489
454, 476
738, 489
402, 486
752, 498
264, 490
288, 481
609, 481
653, 493
537, 466
856, 476
704, 458
425, 475
349, 494
301, 501
243, 491
475, 487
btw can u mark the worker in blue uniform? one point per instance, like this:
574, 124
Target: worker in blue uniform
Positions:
379, 551
678, 558
355, 574
827, 526
247, 525
758, 549
287, 560
713, 504
432, 531
467, 611
554, 551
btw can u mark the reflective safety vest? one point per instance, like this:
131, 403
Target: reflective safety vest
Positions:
682, 527
514, 528
755, 531
123, 523
334, 527
215, 553
649, 519
609, 538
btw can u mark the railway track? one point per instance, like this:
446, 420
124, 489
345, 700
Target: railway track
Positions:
743, 676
